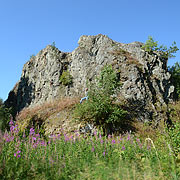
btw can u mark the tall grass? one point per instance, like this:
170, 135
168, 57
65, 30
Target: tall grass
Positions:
84, 157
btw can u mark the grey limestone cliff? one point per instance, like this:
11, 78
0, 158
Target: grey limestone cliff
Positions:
146, 86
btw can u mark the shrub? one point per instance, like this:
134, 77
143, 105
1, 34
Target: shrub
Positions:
174, 133
152, 45
1, 102
175, 77
66, 78
32, 56
4, 117
53, 45
101, 109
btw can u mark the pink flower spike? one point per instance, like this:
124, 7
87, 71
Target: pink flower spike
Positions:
113, 141
14, 154
12, 128
137, 140
11, 122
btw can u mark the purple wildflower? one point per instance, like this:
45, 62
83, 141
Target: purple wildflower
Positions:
11, 122
37, 135
12, 128
113, 141
95, 133
101, 141
18, 155
92, 149
66, 138
43, 143
137, 140
32, 131
123, 148
128, 138
104, 153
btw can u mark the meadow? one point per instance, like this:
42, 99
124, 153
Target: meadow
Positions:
83, 156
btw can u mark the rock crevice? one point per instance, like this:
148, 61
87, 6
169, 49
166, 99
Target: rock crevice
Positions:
145, 80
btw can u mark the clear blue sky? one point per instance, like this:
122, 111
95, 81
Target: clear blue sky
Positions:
27, 26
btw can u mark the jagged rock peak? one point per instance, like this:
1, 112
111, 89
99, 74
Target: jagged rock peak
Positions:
146, 82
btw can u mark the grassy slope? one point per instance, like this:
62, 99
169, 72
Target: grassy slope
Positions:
146, 154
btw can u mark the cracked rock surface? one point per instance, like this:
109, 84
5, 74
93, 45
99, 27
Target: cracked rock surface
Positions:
146, 87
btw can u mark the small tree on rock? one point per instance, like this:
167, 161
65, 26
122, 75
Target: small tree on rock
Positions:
101, 109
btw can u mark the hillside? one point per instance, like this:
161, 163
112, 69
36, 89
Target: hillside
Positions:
52, 75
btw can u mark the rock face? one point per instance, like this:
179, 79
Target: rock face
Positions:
145, 81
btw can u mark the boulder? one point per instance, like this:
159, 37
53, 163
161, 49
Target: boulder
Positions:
146, 87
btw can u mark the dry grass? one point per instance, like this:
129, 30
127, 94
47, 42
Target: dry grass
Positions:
47, 114
145, 130
175, 111
48, 108
122, 52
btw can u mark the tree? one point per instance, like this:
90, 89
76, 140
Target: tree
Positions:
100, 108
175, 78
1, 101
4, 116
152, 45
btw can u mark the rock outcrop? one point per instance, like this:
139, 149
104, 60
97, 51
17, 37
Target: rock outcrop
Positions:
146, 87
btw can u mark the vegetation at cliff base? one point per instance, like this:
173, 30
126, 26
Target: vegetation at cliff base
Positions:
100, 108
4, 116
144, 154
78, 156
175, 78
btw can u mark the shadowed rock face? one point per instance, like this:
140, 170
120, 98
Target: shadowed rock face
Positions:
146, 87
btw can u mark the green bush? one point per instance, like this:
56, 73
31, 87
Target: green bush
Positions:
175, 77
4, 117
66, 78
1, 102
152, 45
174, 133
100, 108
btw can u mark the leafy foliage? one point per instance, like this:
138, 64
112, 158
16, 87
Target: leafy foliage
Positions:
66, 78
175, 77
152, 45
174, 133
4, 117
91, 157
32, 56
53, 45
101, 109
1, 102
